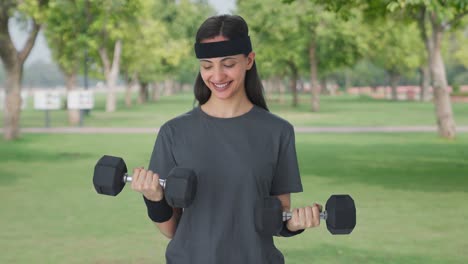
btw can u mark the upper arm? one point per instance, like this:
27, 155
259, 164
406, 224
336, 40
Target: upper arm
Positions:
286, 176
162, 160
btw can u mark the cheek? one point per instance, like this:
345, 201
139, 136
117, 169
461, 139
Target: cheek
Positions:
240, 74
204, 76
206, 81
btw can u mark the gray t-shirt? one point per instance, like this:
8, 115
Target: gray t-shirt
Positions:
238, 161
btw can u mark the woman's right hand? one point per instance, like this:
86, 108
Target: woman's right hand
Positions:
147, 183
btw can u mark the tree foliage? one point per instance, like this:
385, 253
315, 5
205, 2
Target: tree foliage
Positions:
396, 47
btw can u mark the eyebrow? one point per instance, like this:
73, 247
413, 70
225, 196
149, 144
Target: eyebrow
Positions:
223, 59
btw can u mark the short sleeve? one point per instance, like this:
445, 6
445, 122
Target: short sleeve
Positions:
286, 178
162, 159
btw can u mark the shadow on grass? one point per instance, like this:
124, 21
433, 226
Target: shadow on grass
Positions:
345, 255
344, 104
428, 166
18, 153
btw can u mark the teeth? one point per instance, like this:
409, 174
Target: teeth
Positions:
221, 85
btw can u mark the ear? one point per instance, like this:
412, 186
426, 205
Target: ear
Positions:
250, 60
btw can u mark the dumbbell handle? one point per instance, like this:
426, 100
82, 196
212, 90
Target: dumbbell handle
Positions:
129, 178
288, 215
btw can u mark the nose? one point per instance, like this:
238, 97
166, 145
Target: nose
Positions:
218, 74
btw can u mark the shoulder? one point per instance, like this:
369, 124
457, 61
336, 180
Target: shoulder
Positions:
183, 121
272, 121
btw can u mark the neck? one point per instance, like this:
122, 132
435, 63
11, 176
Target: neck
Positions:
227, 108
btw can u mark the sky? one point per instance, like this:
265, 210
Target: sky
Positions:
41, 52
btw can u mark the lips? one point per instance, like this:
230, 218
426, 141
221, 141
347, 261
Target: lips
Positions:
221, 86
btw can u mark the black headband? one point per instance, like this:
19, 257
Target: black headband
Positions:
223, 48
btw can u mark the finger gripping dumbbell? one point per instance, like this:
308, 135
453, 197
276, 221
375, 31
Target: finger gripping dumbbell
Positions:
110, 176
339, 214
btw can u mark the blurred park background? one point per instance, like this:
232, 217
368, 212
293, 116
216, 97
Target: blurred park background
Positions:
399, 64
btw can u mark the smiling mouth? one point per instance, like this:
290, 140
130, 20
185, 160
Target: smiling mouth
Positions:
221, 86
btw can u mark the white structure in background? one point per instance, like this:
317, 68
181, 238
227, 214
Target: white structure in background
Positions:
47, 100
80, 99
24, 99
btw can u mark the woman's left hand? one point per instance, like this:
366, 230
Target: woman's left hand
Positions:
305, 217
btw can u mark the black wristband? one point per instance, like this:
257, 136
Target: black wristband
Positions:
285, 232
158, 212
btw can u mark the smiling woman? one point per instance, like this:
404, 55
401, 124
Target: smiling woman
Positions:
240, 152
225, 78
227, 68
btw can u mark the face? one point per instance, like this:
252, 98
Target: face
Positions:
225, 76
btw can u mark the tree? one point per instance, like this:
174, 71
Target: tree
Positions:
33, 13
182, 19
395, 47
142, 58
64, 31
304, 36
109, 24
277, 39
164, 41
435, 18
336, 42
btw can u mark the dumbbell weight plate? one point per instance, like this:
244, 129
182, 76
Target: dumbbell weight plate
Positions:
181, 187
108, 175
341, 212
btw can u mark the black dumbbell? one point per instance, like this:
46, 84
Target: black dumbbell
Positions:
339, 214
110, 176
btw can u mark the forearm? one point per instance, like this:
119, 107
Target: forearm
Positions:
169, 227
285, 200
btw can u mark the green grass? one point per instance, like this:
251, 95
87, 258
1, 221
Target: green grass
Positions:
335, 111
410, 191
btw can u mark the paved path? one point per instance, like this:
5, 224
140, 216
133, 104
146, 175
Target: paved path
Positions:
144, 130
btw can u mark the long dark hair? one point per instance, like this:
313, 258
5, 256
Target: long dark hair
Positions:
230, 27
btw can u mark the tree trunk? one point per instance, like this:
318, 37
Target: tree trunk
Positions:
293, 87
293, 83
177, 87
111, 73
155, 92
275, 87
128, 95
282, 91
168, 87
128, 89
267, 88
443, 105
11, 115
111, 100
13, 61
426, 68
315, 89
424, 82
348, 80
143, 94
394, 80
73, 114
323, 86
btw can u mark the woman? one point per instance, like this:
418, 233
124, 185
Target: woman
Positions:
240, 152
